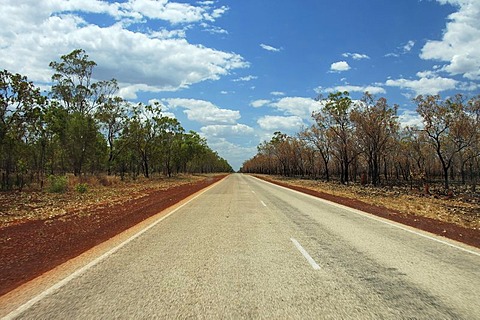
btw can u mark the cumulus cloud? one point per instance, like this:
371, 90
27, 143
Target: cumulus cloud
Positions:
426, 85
225, 131
339, 66
297, 106
355, 56
259, 103
280, 123
351, 88
410, 118
161, 60
460, 45
277, 93
269, 48
203, 111
236, 153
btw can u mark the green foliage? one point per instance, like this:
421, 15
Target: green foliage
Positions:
81, 188
85, 128
57, 184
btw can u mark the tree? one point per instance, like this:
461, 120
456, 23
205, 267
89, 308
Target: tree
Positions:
112, 115
444, 123
318, 136
81, 97
170, 141
336, 118
376, 125
20, 107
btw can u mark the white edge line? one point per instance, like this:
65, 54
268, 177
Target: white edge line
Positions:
370, 216
304, 252
27, 305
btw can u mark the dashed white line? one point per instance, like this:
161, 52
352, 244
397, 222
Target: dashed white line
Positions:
370, 216
263, 203
309, 258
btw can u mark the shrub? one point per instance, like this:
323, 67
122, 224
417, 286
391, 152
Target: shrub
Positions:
58, 184
81, 188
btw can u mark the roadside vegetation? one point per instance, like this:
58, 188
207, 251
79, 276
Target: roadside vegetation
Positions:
358, 149
81, 128
83, 195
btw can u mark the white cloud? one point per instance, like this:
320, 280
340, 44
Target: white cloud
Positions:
235, 153
411, 119
280, 123
351, 88
339, 66
404, 49
460, 45
269, 48
163, 60
408, 46
297, 106
246, 78
355, 56
433, 85
259, 103
203, 111
225, 131
277, 93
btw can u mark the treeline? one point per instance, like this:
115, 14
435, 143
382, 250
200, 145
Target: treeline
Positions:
363, 141
82, 127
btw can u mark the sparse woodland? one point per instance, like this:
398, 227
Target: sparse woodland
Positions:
363, 141
81, 127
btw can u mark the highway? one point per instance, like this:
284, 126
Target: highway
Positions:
247, 249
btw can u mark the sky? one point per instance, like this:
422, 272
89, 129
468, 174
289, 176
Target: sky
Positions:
237, 71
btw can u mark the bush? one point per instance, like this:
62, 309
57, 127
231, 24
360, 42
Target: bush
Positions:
57, 184
81, 188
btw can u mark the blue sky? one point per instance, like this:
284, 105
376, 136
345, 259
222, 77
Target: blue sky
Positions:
237, 71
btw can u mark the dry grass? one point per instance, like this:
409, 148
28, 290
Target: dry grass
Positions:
462, 209
102, 191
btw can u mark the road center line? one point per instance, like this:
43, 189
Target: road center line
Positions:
378, 219
263, 203
310, 260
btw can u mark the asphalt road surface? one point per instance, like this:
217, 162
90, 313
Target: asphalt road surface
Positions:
245, 248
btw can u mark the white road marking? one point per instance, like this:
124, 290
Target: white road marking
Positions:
370, 216
310, 260
253, 191
263, 203
27, 305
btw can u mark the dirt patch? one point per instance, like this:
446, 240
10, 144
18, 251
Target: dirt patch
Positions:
31, 247
467, 235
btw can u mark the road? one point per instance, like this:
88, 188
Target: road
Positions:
245, 248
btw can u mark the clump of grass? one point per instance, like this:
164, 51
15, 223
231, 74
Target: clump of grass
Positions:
57, 184
81, 188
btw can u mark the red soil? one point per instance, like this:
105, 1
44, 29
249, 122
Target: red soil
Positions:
31, 248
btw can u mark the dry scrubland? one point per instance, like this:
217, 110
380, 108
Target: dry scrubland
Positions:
81, 196
463, 208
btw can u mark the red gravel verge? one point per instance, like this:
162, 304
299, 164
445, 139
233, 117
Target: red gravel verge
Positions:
445, 229
29, 249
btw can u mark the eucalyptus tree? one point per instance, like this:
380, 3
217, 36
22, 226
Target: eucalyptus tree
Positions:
21, 104
75, 89
335, 117
112, 116
445, 124
376, 126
